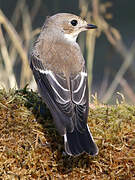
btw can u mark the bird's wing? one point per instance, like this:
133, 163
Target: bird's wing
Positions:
79, 86
56, 94
69, 106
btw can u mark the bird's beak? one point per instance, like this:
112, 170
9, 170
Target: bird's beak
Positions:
91, 26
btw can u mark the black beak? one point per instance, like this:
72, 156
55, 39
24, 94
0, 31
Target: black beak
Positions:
91, 26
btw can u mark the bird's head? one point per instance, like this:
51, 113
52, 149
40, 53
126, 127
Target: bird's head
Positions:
70, 24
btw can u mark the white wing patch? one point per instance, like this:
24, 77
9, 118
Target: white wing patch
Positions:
79, 92
59, 98
63, 101
65, 138
53, 77
83, 75
83, 94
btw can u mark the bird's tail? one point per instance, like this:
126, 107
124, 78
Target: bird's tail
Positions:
78, 142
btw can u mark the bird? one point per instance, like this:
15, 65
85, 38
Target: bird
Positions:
60, 72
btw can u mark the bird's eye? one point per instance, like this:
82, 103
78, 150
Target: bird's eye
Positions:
74, 22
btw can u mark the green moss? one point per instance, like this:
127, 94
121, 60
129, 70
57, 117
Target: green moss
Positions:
31, 148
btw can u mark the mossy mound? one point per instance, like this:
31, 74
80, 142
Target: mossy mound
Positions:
31, 148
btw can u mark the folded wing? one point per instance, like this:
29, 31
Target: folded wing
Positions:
70, 102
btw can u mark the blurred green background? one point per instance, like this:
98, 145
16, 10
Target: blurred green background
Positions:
109, 51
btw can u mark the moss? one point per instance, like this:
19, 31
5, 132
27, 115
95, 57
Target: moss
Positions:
31, 148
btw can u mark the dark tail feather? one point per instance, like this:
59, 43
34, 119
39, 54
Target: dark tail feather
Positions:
79, 142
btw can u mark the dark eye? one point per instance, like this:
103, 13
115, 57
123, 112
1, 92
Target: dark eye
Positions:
74, 22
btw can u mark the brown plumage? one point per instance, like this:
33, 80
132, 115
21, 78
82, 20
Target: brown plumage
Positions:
59, 70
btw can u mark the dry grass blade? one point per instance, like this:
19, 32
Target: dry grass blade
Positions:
7, 62
27, 26
17, 12
127, 62
115, 39
18, 45
15, 19
35, 8
127, 89
90, 45
90, 42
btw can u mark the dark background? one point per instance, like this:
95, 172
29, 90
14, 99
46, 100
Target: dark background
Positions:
107, 60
